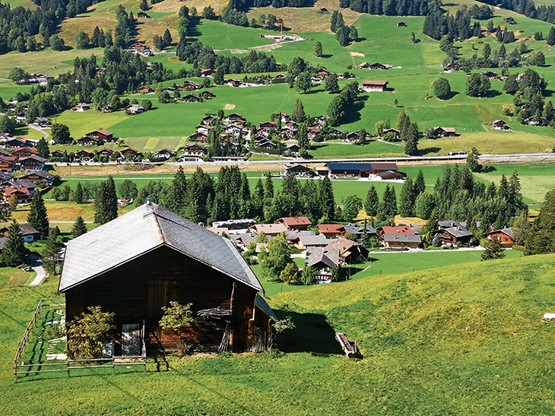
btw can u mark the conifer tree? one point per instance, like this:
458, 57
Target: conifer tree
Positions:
106, 202
406, 204
327, 199
79, 227
372, 203
389, 203
78, 195
419, 184
38, 217
50, 256
493, 251
269, 186
13, 253
298, 115
551, 37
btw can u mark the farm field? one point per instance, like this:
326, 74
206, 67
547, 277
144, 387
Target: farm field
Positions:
459, 314
419, 65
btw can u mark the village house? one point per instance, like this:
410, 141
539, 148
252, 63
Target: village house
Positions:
438, 132
156, 257
42, 122
128, 152
206, 73
452, 233
189, 86
374, 86
376, 171
57, 154
89, 141
22, 194
358, 231
504, 236
105, 152
134, 109
350, 252
271, 230
304, 241
207, 95
295, 223
39, 177
193, 149
399, 236
32, 162
102, 134
84, 155
331, 230
264, 143
145, 89
191, 98
162, 155
394, 132
299, 170
81, 107
500, 125
28, 233
323, 262
198, 137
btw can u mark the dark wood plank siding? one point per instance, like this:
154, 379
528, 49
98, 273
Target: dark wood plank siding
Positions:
138, 290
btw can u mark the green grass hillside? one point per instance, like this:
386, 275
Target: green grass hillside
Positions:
442, 341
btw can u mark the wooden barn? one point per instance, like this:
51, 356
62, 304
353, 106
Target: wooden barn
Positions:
139, 262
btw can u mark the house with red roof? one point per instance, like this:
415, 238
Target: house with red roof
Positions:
295, 223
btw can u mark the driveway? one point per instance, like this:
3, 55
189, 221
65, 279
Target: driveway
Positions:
36, 263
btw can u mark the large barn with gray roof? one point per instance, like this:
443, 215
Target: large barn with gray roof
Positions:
139, 262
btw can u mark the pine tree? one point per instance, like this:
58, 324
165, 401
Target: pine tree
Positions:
331, 84
372, 203
406, 204
13, 253
389, 203
298, 115
419, 184
327, 199
106, 202
42, 148
50, 256
38, 217
318, 51
78, 195
411, 140
79, 227
269, 186
493, 251
551, 37
167, 38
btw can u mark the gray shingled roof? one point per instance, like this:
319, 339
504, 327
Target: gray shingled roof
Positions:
142, 230
401, 238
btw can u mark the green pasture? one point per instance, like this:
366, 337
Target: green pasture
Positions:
222, 36
49, 61
536, 179
435, 341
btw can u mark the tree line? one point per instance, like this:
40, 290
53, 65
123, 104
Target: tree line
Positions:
20, 25
527, 8
390, 7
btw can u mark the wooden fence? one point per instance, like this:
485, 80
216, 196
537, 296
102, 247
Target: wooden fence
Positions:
22, 369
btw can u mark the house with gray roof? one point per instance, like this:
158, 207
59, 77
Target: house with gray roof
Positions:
140, 262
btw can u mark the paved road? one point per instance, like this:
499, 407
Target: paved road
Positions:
36, 263
39, 129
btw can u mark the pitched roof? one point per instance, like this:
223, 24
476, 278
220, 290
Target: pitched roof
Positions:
359, 229
331, 228
270, 229
142, 230
397, 230
313, 240
405, 238
295, 221
458, 232
317, 255
505, 230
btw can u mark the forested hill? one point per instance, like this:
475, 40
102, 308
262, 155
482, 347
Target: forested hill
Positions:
391, 7
19, 25
526, 7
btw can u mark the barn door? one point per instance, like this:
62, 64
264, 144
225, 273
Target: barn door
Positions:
131, 341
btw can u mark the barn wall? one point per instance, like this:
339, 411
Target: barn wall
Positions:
138, 290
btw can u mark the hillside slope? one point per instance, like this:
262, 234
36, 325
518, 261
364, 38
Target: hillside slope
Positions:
446, 341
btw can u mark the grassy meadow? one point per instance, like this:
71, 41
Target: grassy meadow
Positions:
434, 342
418, 65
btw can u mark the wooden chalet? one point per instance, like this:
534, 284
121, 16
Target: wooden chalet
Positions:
452, 233
102, 134
42, 122
104, 152
349, 251
57, 153
307, 240
20, 152
198, 137
32, 162
331, 230
504, 236
81, 107
189, 86
500, 125
207, 95
206, 73
364, 170
374, 86
193, 149
28, 233
396, 133
134, 109
156, 257
39, 177
295, 223
128, 152
191, 98
439, 131
163, 154
298, 169
324, 262
84, 154
22, 194
264, 143
145, 89
399, 236
7, 163
271, 230
89, 141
